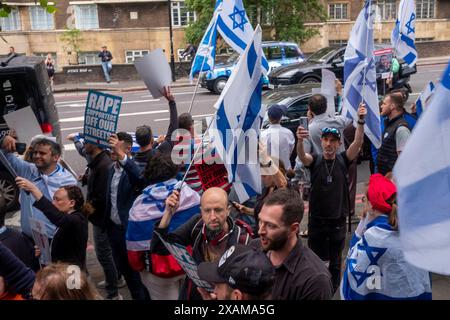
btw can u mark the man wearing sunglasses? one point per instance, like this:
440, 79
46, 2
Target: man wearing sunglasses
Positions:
329, 203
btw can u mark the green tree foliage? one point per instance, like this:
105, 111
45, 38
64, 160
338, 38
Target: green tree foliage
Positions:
73, 40
282, 20
5, 9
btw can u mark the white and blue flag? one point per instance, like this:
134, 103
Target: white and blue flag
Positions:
424, 98
376, 268
360, 84
422, 173
206, 52
235, 27
235, 129
404, 33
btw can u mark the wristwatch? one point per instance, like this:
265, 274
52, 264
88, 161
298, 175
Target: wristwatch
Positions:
266, 165
362, 122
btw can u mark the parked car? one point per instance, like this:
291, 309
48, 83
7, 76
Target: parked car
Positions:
277, 54
24, 82
331, 58
295, 98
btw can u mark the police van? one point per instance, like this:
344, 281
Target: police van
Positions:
24, 82
277, 54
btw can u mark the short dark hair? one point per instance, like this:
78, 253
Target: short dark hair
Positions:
317, 104
54, 146
397, 99
143, 135
126, 137
403, 92
185, 121
292, 204
160, 168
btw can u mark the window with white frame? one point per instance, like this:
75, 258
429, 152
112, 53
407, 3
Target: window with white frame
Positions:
89, 57
180, 14
425, 9
12, 22
387, 9
338, 11
86, 16
132, 55
40, 19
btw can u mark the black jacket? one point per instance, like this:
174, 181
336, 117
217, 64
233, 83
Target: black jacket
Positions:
141, 158
21, 246
131, 184
70, 240
19, 277
190, 234
97, 183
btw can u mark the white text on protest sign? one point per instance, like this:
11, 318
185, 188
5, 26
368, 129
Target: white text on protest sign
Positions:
101, 117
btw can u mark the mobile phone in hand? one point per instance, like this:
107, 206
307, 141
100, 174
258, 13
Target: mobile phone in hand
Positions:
21, 148
304, 122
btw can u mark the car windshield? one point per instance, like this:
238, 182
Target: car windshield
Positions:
233, 57
320, 56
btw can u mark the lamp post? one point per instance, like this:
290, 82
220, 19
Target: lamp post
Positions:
172, 58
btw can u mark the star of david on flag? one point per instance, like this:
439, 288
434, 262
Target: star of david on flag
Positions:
238, 17
360, 75
404, 33
235, 129
235, 28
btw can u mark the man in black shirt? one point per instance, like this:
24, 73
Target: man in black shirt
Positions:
299, 272
329, 203
106, 57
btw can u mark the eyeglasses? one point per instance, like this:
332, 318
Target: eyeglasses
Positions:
331, 131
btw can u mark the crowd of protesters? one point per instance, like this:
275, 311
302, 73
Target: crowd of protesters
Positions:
136, 203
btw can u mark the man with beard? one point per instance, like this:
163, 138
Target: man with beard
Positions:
209, 234
45, 172
299, 273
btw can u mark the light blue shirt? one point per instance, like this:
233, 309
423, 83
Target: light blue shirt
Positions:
47, 184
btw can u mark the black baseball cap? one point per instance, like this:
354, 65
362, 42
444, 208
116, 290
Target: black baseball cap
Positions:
241, 267
276, 111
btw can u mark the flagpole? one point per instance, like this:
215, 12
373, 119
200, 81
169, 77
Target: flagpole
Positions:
365, 67
196, 152
216, 13
198, 79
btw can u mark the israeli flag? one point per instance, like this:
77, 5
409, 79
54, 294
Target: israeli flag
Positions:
360, 84
422, 173
424, 98
235, 27
235, 129
404, 32
206, 52
376, 269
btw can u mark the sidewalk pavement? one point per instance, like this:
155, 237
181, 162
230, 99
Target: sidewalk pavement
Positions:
136, 85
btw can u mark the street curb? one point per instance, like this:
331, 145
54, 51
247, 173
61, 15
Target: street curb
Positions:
139, 88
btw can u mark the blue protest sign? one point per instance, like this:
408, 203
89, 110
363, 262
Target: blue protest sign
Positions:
101, 117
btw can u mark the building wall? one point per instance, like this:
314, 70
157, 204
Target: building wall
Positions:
150, 15
120, 33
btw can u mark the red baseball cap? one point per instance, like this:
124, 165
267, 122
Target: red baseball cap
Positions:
379, 191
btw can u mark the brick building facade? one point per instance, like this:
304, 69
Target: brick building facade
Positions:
131, 28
